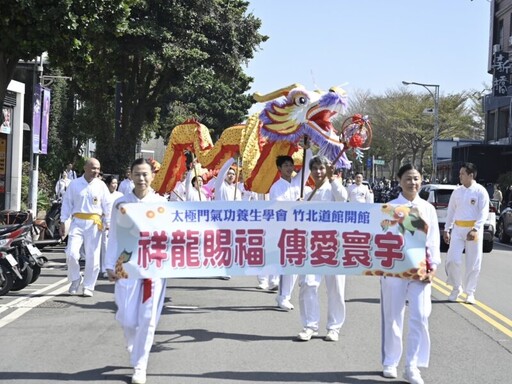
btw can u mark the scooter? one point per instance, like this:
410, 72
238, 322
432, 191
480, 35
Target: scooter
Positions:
20, 261
49, 227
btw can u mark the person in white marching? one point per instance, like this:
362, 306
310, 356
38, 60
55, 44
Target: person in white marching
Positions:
111, 182
468, 209
86, 203
127, 185
137, 313
326, 189
397, 293
287, 188
359, 192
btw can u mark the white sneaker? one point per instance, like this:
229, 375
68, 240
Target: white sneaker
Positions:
332, 335
75, 284
306, 334
454, 294
470, 299
263, 286
390, 372
87, 293
284, 304
413, 376
273, 287
139, 377
227, 277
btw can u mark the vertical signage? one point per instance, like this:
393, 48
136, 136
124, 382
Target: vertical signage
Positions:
501, 68
36, 118
45, 122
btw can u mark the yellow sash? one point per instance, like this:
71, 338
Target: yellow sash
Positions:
90, 216
465, 223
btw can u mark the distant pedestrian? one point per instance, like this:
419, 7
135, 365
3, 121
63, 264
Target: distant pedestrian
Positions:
71, 172
62, 185
126, 185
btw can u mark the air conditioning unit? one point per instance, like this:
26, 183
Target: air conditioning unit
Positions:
496, 48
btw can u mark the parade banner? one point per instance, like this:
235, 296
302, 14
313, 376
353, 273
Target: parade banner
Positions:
202, 239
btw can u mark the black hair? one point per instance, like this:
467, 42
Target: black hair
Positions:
280, 160
470, 169
109, 178
141, 161
405, 168
195, 178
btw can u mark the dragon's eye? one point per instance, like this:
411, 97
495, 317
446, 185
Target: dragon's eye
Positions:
300, 100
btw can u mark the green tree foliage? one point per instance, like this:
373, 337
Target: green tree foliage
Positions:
30, 27
171, 56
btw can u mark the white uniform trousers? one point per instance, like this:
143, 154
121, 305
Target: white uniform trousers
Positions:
268, 280
474, 252
103, 252
86, 233
310, 304
139, 320
286, 284
394, 293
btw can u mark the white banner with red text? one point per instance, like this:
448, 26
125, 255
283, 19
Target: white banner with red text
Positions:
205, 239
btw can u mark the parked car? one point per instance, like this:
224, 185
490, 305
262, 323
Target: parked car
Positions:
439, 196
504, 225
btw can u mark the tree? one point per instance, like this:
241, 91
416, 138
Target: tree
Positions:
183, 55
30, 27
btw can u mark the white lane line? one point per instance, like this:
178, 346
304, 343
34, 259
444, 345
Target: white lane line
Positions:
29, 304
14, 303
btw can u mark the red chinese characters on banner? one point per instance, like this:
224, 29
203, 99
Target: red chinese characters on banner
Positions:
356, 249
185, 249
389, 249
217, 250
324, 248
249, 247
152, 248
292, 245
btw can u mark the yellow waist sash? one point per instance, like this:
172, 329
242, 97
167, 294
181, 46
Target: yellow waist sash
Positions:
465, 223
90, 216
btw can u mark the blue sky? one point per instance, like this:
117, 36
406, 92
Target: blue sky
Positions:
372, 44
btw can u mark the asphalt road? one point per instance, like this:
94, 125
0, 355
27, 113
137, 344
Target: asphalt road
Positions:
216, 331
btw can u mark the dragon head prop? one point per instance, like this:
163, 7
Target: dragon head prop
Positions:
294, 112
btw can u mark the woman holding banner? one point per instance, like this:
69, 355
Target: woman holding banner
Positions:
139, 301
395, 292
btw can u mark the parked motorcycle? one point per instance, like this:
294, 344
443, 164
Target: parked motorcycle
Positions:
20, 261
49, 227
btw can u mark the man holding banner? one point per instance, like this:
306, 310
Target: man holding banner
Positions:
139, 301
287, 188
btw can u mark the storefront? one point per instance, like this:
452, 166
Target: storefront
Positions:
11, 146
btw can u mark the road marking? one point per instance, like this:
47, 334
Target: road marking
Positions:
14, 303
445, 289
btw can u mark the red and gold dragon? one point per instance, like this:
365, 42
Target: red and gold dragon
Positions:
290, 114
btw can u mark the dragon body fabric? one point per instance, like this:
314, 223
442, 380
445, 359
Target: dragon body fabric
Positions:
290, 114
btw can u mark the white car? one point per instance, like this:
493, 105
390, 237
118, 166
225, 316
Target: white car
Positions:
439, 196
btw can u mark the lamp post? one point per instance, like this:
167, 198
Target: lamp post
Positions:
435, 95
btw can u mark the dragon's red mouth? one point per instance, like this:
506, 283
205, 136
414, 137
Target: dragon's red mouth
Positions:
323, 119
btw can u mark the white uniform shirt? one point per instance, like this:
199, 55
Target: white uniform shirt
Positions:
283, 190
223, 190
428, 213
126, 186
329, 191
468, 204
61, 187
112, 248
359, 194
84, 197
191, 193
